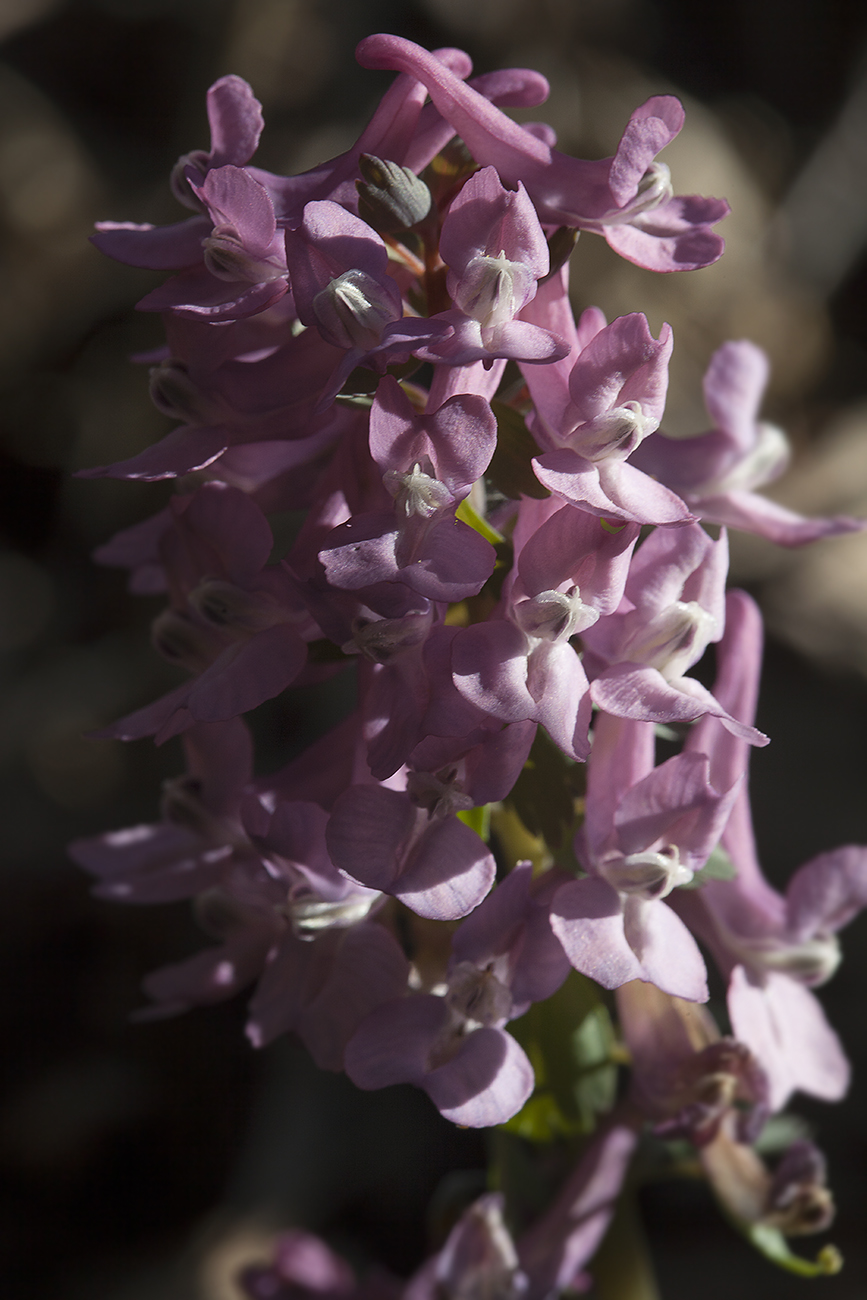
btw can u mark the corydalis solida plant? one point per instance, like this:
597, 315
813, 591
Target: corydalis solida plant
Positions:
506, 550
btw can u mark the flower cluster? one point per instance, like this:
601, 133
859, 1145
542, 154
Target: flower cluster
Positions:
504, 547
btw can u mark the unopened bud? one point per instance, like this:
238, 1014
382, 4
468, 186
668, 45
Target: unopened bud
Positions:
391, 198
798, 1201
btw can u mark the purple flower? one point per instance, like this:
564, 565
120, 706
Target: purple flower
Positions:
452, 1042
674, 606
233, 622
648, 829
628, 198
715, 472
616, 396
428, 464
496, 252
772, 948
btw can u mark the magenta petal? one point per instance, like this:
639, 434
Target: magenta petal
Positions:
784, 1026
238, 201
688, 250
448, 873
211, 976
644, 695
827, 892
733, 387
557, 681
525, 343
157, 248
565, 1238
235, 118
369, 969
650, 128
393, 1043
587, 918
490, 670
669, 955
245, 676
183, 451
199, 296
294, 972
452, 563
577, 480
639, 497
485, 1083
149, 864
622, 362
755, 513
369, 826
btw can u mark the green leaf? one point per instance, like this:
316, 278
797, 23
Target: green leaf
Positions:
570, 1041
773, 1245
545, 792
719, 866
468, 515
478, 819
510, 470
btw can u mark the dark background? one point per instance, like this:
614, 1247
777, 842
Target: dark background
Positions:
136, 1158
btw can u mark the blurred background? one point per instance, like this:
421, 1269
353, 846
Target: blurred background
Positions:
139, 1161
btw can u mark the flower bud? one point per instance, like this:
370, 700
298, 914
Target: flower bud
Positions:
391, 198
798, 1201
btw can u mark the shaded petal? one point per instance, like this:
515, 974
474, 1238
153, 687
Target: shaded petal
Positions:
754, 513
368, 828
394, 1042
485, 1083
156, 248
644, 695
448, 872
183, 451
785, 1028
